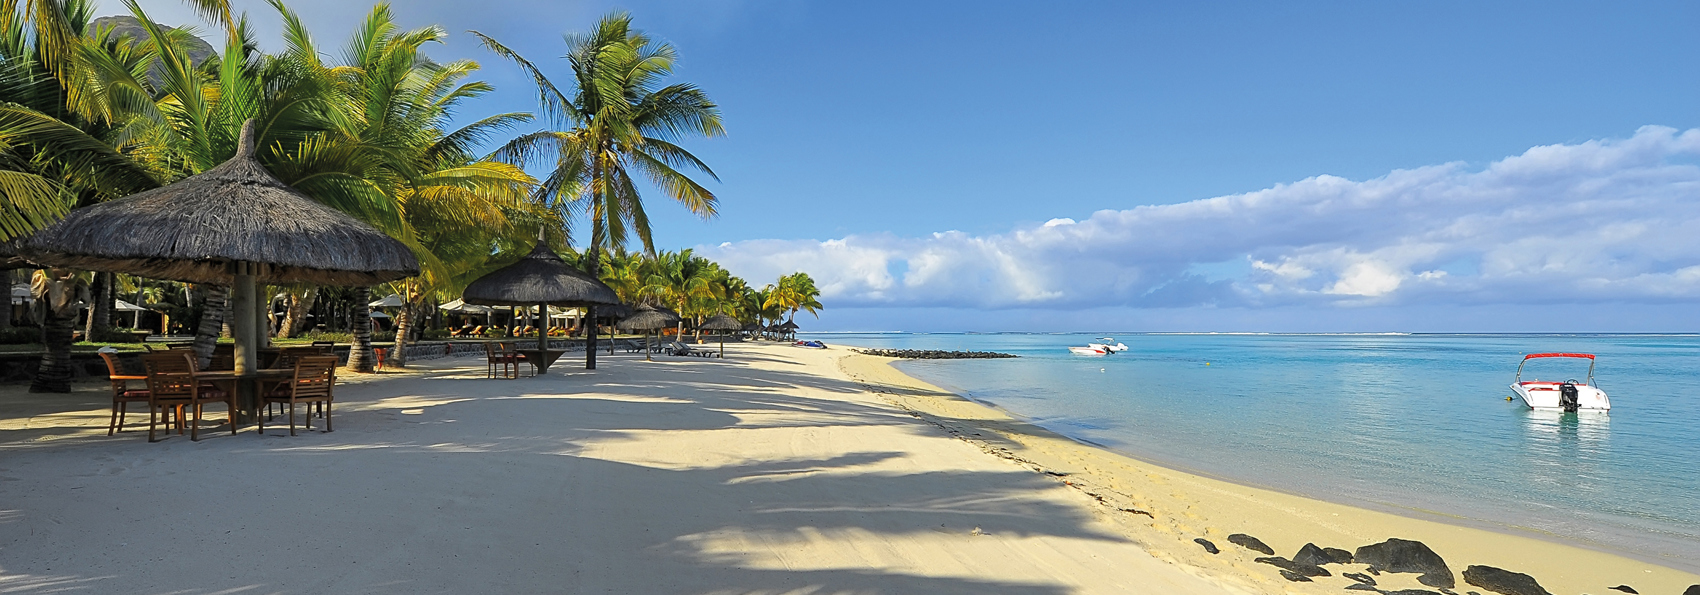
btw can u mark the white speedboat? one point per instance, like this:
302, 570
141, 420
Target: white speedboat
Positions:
1569, 395
1089, 350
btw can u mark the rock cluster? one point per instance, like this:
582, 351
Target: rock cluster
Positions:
934, 354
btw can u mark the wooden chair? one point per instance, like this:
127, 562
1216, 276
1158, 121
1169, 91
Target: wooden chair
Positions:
497, 354
286, 358
172, 383
314, 382
122, 396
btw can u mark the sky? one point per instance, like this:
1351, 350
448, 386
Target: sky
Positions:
1123, 166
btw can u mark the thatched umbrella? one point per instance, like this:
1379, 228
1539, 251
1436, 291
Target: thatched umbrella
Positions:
233, 225
789, 328
646, 319
721, 322
543, 279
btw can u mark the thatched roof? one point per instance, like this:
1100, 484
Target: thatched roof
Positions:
648, 318
721, 322
539, 278
615, 311
754, 326
788, 326
194, 229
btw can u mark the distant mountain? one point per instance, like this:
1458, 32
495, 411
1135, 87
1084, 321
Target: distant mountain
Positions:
199, 50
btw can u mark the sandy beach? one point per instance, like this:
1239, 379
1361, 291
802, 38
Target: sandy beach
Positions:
776, 470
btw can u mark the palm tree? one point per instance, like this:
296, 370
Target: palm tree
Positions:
452, 205
618, 122
55, 152
795, 292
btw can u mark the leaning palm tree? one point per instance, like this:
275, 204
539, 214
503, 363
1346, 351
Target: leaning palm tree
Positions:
619, 123
796, 292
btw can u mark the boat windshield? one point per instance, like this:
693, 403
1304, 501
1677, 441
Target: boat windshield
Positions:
1556, 368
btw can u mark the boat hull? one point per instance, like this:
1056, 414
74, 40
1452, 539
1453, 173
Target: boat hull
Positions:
1086, 351
1545, 395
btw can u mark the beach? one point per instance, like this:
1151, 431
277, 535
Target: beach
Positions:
775, 470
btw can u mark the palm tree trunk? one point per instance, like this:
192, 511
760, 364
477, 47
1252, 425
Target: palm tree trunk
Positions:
100, 311
590, 313
212, 322
360, 358
296, 316
403, 326
54, 373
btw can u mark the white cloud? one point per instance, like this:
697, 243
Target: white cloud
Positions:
1604, 220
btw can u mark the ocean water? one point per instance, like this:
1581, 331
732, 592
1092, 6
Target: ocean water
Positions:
1412, 423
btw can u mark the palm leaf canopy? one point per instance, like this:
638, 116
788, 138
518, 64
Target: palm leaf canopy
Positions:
195, 229
539, 278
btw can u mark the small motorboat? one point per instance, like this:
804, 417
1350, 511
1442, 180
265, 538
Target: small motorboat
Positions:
1089, 350
1569, 395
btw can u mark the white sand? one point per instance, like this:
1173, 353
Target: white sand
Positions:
769, 472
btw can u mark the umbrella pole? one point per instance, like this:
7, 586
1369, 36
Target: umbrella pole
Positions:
648, 348
242, 329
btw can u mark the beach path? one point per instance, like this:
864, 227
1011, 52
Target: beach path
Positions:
767, 472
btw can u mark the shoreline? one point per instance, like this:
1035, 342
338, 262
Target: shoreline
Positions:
1127, 482
1393, 508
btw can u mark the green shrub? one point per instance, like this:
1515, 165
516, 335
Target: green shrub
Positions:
107, 334
383, 336
329, 336
434, 334
20, 335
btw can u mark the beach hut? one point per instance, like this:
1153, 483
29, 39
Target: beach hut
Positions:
134, 310
788, 330
389, 301
722, 323
646, 319
541, 278
233, 225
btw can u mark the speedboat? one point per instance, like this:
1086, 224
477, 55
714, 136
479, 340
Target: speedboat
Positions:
1569, 395
1089, 350
1117, 348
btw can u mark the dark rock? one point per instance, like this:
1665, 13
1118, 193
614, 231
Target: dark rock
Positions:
934, 354
1294, 576
1362, 587
1316, 556
1693, 590
1209, 547
1625, 589
1410, 592
1503, 581
1403, 555
1289, 565
1251, 543
1362, 578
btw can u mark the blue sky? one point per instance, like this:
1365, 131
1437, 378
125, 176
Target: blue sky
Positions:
1344, 166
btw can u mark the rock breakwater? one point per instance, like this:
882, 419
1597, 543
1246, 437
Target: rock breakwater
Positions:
934, 354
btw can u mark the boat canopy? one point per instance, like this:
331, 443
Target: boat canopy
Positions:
1577, 355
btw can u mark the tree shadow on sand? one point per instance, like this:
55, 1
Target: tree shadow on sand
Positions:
693, 526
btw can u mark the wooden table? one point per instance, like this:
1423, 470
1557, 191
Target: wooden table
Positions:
542, 358
245, 387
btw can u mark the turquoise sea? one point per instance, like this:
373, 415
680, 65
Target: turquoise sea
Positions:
1416, 424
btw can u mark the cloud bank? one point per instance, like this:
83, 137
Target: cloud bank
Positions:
1600, 221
